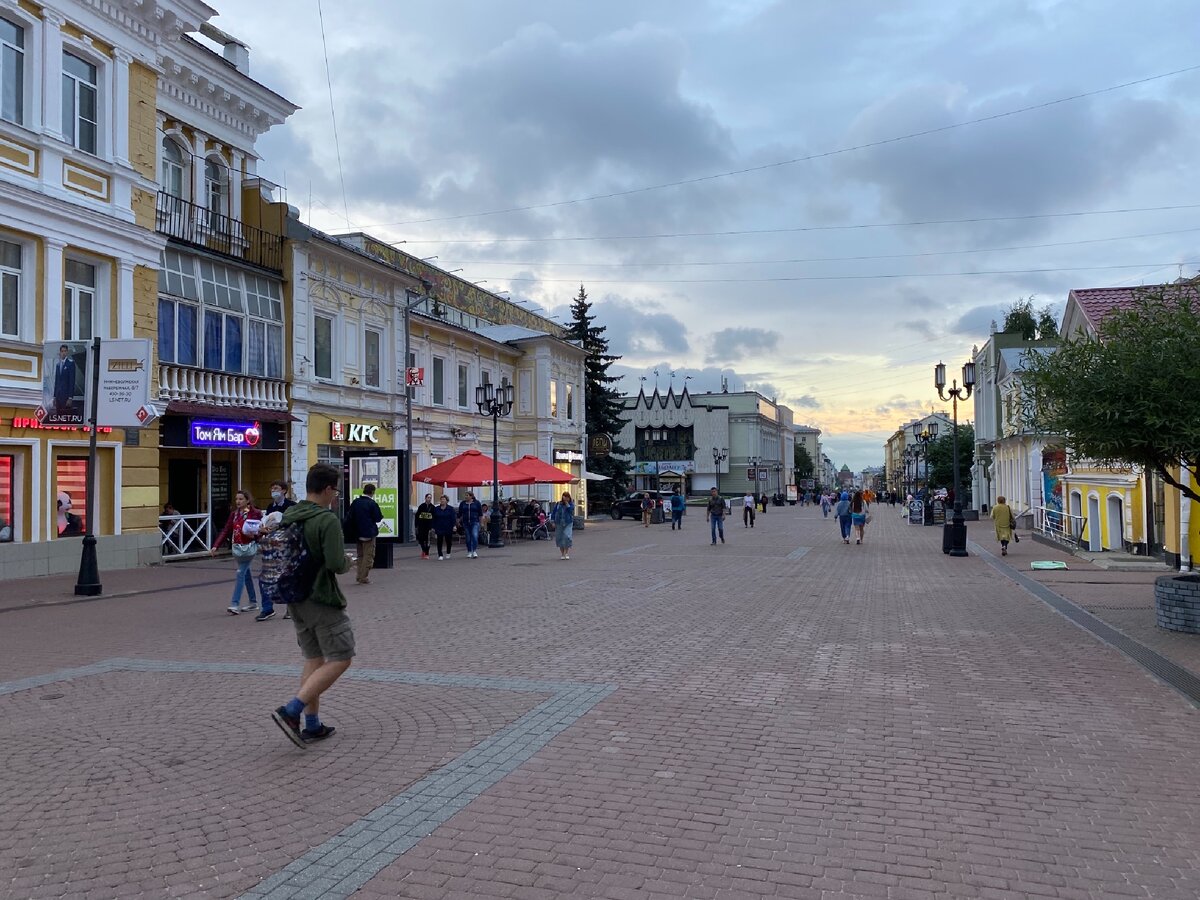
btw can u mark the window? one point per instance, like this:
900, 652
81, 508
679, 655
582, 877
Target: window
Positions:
264, 349
10, 287
485, 377
371, 358
412, 364
79, 301
173, 168
220, 286
570, 403
215, 181
263, 298
12, 72
177, 335
222, 341
439, 381
177, 275
463, 377
79, 103
330, 454
553, 399
323, 347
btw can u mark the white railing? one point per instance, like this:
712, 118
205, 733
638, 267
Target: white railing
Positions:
220, 389
185, 535
1059, 526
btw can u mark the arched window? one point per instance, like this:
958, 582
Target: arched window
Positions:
216, 187
173, 171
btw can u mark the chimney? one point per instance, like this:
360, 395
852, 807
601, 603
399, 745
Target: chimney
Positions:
233, 50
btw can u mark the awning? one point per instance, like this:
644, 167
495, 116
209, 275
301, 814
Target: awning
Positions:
595, 476
233, 413
542, 472
470, 469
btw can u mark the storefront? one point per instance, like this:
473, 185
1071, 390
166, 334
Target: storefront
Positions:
208, 455
571, 462
329, 437
43, 479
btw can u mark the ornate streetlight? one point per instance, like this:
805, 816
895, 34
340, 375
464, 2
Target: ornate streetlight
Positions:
958, 527
719, 456
924, 434
495, 402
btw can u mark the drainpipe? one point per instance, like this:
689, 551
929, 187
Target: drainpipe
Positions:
1185, 520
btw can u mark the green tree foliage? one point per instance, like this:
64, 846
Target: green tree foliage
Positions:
602, 402
941, 459
803, 462
1127, 396
1031, 324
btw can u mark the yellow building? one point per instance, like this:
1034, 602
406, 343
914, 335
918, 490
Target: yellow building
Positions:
78, 260
1123, 508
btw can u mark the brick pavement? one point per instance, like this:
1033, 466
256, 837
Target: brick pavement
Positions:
789, 716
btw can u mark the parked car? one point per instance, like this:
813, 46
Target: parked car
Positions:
631, 504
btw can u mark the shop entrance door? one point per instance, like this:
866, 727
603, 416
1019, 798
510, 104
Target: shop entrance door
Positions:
184, 481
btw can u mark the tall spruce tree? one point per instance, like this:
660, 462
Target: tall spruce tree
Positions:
602, 402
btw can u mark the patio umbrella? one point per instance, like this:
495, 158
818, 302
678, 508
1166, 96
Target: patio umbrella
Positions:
469, 470
542, 472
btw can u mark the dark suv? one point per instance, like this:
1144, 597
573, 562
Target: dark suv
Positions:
631, 504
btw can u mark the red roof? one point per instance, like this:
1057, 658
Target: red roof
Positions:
1097, 303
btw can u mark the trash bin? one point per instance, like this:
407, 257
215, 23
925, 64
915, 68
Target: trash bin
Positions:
656, 517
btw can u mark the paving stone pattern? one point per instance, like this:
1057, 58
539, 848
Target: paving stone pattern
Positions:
783, 715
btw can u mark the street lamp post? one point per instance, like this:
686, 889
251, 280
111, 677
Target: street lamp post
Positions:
778, 478
753, 462
924, 434
495, 403
719, 456
958, 527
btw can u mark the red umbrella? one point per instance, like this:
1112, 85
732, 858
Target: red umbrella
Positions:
469, 470
542, 472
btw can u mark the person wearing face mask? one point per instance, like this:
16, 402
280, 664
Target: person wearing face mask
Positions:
280, 501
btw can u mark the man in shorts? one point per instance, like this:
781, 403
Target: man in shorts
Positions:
322, 626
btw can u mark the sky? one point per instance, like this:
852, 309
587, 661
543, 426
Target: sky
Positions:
818, 200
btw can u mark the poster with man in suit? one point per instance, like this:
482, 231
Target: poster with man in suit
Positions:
64, 364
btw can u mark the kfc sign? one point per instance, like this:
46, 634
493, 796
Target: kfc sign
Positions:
353, 434
414, 377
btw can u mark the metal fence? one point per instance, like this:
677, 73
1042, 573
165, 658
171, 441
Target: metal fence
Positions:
1059, 526
182, 536
192, 224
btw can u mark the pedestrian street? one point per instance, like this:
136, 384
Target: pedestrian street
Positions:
781, 715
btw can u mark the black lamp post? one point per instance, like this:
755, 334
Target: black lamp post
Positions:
719, 456
495, 402
778, 478
924, 434
958, 527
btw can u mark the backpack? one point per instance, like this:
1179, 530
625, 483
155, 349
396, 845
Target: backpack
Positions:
288, 569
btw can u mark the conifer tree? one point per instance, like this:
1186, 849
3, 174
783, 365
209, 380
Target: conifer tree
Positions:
602, 401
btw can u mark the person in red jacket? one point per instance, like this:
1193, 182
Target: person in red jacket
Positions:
245, 547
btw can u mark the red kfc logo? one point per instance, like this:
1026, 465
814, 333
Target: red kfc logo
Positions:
337, 431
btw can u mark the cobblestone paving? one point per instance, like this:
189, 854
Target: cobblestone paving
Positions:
789, 716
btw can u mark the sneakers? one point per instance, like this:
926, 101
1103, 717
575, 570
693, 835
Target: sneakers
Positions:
317, 734
440, 556
234, 610
252, 606
424, 556
722, 539
288, 614
289, 725
263, 616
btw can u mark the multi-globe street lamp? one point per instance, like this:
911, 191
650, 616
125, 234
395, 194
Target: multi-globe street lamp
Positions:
719, 456
924, 433
495, 402
958, 526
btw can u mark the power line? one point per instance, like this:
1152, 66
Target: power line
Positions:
794, 230
841, 277
815, 259
799, 159
337, 144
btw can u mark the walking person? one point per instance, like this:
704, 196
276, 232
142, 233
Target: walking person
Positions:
323, 629
244, 546
678, 505
1005, 522
563, 517
424, 520
280, 503
470, 513
825, 506
647, 509
444, 520
715, 514
858, 515
365, 515
842, 511
748, 510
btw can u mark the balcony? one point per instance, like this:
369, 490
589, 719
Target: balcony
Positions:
220, 389
192, 224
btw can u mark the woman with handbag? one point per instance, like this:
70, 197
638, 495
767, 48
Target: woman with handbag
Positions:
858, 516
245, 547
563, 517
1005, 522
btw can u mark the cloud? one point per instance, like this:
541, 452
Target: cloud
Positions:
731, 344
808, 401
635, 328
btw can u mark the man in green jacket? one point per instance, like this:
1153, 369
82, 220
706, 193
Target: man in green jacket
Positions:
322, 627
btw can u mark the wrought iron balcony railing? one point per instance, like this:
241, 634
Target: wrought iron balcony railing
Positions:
192, 224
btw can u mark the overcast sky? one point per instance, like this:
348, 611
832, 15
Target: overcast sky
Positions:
805, 277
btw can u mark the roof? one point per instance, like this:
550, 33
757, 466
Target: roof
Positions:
506, 333
1012, 359
1095, 304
